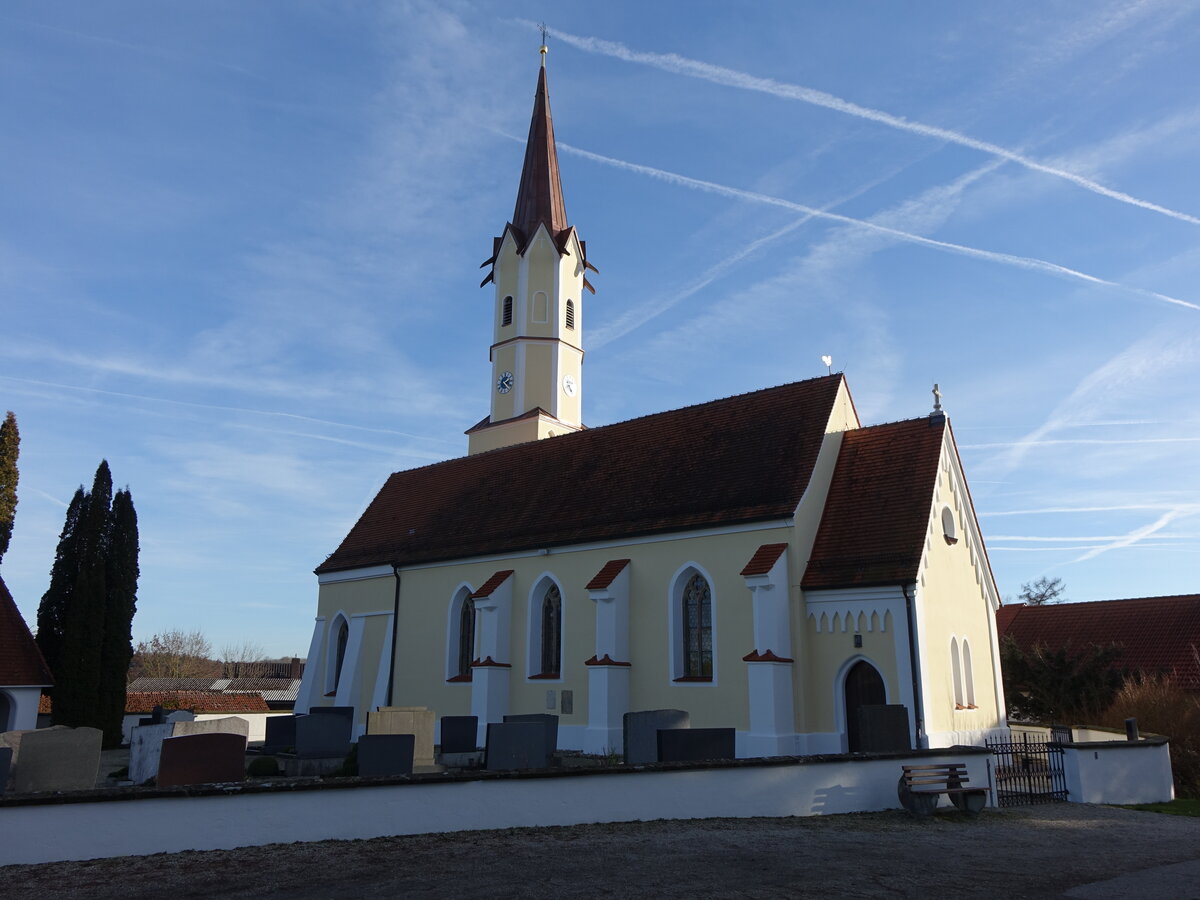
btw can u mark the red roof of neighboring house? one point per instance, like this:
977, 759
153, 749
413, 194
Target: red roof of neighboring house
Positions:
197, 701
763, 559
607, 574
741, 459
1156, 634
877, 511
21, 661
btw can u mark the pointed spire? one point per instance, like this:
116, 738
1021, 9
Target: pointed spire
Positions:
539, 197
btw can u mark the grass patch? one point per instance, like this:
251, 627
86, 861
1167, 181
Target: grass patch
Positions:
1174, 808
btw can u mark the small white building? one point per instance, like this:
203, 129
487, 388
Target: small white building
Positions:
23, 671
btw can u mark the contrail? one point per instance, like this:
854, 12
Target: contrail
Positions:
1022, 262
681, 65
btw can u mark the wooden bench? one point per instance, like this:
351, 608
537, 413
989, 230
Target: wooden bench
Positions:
920, 787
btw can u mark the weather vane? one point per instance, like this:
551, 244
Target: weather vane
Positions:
542, 27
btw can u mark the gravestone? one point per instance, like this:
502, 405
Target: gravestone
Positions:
459, 734
224, 725
516, 745
5, 763
695, 744
145, 746
347, 711
417, 721
323, 736
883, 728
385, 754
641, 733
205, 758
549, 725
57, 759
280, 734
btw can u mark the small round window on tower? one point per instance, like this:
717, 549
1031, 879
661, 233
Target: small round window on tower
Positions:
948, 528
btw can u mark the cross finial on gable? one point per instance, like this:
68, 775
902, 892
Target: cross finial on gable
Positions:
937, 399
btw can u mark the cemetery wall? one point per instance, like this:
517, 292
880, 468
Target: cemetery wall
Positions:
139, 822
1119, 771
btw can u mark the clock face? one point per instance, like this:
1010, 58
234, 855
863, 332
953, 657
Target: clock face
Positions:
505, 382
569, 385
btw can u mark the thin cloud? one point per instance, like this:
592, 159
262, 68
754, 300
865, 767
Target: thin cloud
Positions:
1078, 509
1022, 262
679, 65
1076, 441
1133, 537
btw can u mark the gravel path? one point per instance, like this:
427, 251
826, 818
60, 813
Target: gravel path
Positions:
1050, 851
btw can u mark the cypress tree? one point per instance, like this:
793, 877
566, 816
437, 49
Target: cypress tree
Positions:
121, 575
52, 612
77, 688
10, 442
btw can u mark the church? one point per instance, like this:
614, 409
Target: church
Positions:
763, 561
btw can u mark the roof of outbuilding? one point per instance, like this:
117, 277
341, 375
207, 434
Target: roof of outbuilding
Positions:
740, 459
1155, 634
21, 661
196, 701
877, 511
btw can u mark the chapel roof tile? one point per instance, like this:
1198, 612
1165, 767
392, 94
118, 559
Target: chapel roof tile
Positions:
1155, 634
21, 661
763, 559
737, 460
607, 574
877, 511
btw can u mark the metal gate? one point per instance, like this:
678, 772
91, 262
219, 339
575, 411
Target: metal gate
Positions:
1026, 772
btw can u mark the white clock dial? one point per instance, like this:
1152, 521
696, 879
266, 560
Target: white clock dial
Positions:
569, 385
505, 382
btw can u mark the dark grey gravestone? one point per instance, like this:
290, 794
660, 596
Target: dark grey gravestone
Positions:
516, 745
157, 716
322, 736
549, 725
641, 733
386, 754
280, 734
883, 729
459, 734
5, 762
694, 744
347, 711
213, 758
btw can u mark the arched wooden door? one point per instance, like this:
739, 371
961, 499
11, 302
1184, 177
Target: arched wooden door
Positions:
864, 687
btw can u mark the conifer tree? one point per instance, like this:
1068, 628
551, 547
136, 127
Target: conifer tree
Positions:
52, 613
10, 442
76, 687
121, 575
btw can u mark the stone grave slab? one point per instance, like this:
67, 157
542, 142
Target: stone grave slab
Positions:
323, 736
694, 744
145, 745
58, 759
460, 734
5, 764
549, 725
418, 722
280, 734
224, 725
206, 758
516, 745
385, 754
641, 733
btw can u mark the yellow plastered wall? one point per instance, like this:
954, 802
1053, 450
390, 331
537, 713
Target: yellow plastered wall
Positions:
826, 654
954, 604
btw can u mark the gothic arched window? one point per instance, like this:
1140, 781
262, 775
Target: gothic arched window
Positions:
697, 628
466, 638
552, 631
343, 638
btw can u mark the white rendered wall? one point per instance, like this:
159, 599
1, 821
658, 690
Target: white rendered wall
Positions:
1119, 772
52, 832
23, 707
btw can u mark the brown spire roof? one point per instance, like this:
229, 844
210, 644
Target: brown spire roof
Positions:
21, 662
742, 459
540, 198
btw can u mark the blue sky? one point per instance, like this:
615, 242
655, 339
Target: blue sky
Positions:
240, 243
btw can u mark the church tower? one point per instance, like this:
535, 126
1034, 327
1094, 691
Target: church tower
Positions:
538, 269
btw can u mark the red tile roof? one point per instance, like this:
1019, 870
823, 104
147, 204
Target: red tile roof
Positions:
607, 573
877, 512
197, 701
763, 559
741, 459
21, 661
1156, 634
489, 586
